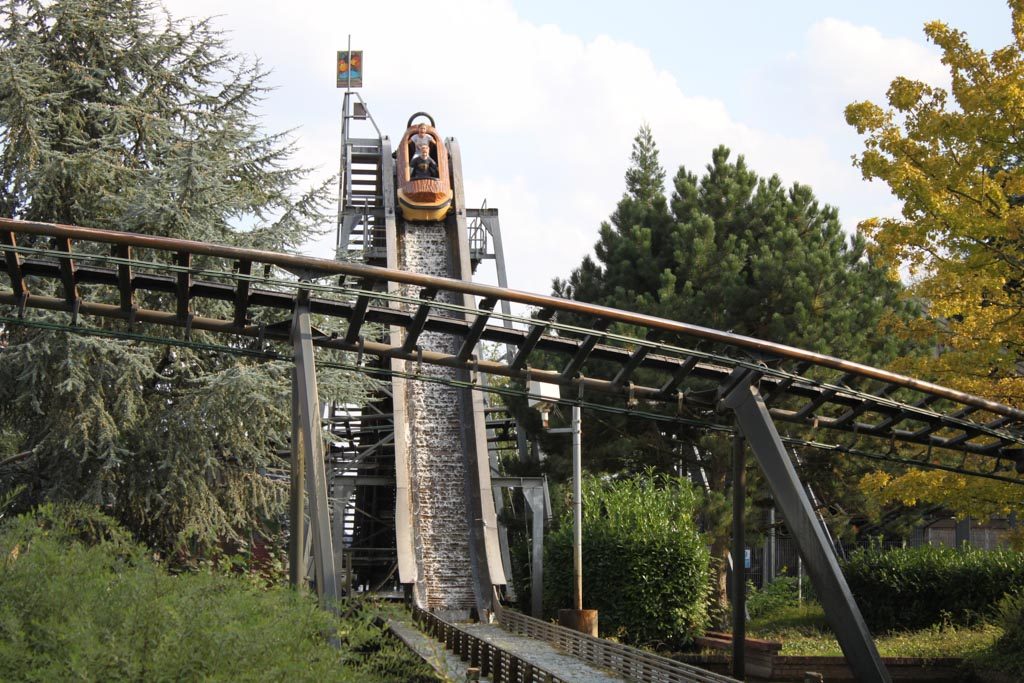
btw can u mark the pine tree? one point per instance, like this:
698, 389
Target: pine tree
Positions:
114, 115
738, 252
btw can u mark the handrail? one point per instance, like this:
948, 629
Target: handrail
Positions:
630, 662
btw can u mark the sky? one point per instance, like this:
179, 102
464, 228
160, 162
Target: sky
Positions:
546, 96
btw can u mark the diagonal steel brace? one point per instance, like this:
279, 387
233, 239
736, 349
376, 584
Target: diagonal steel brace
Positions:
742, 397
309, 446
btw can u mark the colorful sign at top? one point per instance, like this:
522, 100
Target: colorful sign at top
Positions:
350, 68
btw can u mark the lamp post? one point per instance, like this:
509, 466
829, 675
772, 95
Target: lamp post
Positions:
577, 507
577, 618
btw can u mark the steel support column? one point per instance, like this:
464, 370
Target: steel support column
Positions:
343, 489
306, 404
577, 507
535, 499
845, 619
739, 593
297, 496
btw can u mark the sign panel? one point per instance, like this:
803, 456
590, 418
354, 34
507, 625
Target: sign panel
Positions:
350, 68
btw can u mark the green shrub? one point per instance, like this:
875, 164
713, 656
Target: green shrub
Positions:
911, 588
80, 601
780, 593
645, 566
1005, 654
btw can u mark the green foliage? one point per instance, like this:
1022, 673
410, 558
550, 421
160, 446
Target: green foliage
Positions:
1005, 653
782, 592
80, 601
645, 566
737, 251
916, 587
804, 632
114, 115
953, 159
374, 654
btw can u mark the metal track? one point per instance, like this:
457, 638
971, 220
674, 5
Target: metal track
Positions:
688, 368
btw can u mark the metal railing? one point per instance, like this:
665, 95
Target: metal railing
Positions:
477, 234
499, 665
632, 663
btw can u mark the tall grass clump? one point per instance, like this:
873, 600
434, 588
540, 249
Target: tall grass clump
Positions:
1005, 653
645, 566
79, 600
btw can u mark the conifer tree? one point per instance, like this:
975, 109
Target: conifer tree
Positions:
732, 251
115, 115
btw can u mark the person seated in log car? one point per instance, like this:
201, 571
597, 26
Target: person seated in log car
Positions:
422, 166
421, 137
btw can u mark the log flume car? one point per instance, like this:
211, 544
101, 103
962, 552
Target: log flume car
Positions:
423, 199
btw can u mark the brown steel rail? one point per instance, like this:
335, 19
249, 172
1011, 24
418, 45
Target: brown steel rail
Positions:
801, 387
310, 266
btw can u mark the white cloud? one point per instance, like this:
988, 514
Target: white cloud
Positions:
859, 62
808, 89
544, 118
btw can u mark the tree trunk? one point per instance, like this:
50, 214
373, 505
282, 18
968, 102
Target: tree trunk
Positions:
720, 562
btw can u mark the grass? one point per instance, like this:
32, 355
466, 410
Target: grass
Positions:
803, 631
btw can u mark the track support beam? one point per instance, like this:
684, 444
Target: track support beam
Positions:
523, 354
306, 406
755, 423
13, 261
739, 584
297, 495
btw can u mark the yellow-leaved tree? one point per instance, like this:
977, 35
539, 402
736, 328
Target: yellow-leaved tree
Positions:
956, 160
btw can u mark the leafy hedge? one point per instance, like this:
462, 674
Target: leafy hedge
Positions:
909, 588
645, 566
79, 600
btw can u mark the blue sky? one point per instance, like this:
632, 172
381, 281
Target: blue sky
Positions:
720, 48
545, 97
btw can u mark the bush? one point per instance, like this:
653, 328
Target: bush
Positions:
911, 588
780, 593
80, 601
645, 567
1004, 655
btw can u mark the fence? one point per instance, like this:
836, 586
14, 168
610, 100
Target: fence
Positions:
785, 561
629, 662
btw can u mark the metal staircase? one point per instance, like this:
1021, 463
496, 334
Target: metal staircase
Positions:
362, 467
362, 203
362, 450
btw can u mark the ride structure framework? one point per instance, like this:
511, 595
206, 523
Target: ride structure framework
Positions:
373, 318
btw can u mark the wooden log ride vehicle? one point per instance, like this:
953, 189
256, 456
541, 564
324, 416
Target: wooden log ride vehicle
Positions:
423, 199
